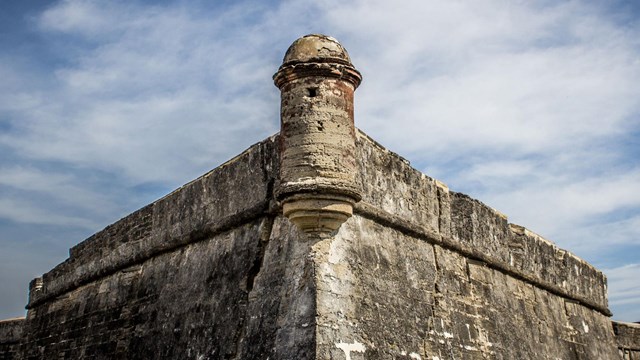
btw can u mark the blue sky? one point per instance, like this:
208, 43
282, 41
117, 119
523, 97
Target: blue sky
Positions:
533, 108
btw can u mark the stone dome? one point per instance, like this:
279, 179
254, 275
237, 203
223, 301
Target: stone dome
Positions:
316, 48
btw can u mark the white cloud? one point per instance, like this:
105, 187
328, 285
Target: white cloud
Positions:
19, 211
82, 17
624, 291
490, 77
62, 188
576, 199
168, 89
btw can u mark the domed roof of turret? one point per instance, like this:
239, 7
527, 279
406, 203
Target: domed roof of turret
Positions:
316, 48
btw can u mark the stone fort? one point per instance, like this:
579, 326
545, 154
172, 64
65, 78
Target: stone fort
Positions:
318, 243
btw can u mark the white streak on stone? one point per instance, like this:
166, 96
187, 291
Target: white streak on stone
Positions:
348, 348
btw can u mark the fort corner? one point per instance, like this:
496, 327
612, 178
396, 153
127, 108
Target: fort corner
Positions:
318, 243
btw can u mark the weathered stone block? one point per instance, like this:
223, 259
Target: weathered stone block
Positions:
479, 227
392, 185
11, 334
627, 337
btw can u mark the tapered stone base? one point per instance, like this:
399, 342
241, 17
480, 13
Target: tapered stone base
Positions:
318, 214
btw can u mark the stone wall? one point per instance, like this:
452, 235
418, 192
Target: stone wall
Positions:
424, 273
214, 271
627, 339
220, 298
198, 274
397, 195
228, 196
393, 294
10, 337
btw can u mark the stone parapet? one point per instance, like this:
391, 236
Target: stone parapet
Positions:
402, 197
11, 331
531, 254
627, 339
215, 202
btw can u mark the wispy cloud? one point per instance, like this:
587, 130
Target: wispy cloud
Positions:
624, 290
494, 78
158, 85
18, 211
